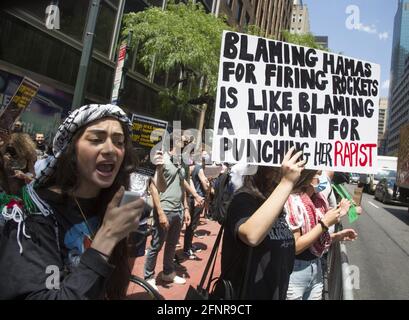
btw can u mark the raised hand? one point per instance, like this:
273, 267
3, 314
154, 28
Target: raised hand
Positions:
332, 217
347, 235
158, 159
291, 168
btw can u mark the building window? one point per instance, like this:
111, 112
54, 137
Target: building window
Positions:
239, 10
104, 28
36, 9
73, 15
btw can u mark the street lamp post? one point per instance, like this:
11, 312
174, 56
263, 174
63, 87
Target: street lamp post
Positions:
80, 85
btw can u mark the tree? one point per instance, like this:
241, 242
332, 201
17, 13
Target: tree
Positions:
305, 39
184, 38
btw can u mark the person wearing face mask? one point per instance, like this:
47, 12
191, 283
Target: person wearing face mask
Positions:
309, 216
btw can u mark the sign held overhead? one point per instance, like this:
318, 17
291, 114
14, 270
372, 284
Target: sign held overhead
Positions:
274, 95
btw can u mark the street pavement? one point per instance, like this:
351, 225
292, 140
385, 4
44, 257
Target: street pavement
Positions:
191, 270
381, 251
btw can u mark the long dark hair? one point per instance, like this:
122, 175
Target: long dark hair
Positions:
258, 185
304, 180
66, 177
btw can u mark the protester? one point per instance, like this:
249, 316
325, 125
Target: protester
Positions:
68, 240
309, 217
41, 146
17, 127
170, 211
256, 220
43, 161
201, 185
17, 158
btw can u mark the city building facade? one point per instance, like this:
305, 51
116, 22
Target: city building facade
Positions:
322, 41
51, 57
270, 16
400, 51
383, 112
398, 110
300, 20
50, 54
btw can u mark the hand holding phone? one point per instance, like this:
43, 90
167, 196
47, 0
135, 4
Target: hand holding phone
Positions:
128, 197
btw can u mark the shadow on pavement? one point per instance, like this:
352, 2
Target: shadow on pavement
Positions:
399, 212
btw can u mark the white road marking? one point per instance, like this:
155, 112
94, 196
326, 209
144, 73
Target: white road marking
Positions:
373, 205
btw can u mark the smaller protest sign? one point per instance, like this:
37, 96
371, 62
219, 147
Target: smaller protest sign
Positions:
146, 133
18, 103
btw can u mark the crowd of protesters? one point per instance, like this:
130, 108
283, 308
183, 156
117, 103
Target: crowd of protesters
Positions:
60, 206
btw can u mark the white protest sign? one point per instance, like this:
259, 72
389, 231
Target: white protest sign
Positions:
274, 95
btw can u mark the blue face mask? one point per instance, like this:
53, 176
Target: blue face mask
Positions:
322, 185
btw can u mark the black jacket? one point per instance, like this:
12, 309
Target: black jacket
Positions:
42, 270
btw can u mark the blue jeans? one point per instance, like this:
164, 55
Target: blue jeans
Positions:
159, 235
306, 281
194, 222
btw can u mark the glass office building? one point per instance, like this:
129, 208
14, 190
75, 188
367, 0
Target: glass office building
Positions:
400, 53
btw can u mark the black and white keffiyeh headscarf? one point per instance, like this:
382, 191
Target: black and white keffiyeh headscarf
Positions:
76, 120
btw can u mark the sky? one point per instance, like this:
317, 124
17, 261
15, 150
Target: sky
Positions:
361, 29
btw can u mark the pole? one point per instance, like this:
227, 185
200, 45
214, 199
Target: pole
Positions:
202, 112
81, 82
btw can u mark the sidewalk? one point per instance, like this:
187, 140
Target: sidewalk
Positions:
192, 270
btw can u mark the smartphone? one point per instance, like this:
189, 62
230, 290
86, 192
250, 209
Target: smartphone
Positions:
129, 196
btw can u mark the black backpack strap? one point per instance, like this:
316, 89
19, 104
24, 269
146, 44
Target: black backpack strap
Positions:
212, 259
243, 288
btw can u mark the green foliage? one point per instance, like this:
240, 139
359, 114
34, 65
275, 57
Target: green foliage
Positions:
254, 30
183, 36
306, 40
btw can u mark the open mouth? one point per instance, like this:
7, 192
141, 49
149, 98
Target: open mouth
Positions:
105, 169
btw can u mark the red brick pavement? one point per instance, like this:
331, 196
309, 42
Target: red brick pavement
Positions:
192, 270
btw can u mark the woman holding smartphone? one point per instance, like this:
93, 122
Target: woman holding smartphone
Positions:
66, 238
